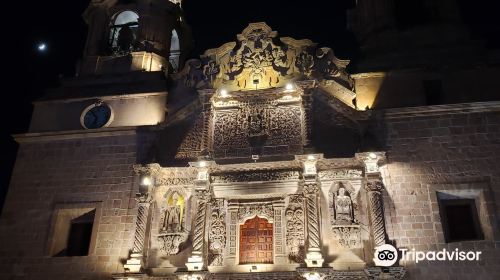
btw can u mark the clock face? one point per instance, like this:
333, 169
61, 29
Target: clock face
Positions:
97, 116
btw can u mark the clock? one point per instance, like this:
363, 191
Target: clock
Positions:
96, 116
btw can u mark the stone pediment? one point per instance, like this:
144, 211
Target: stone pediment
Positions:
259, 59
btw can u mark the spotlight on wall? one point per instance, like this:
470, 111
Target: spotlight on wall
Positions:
203, 163
224, 93
289, 86
372, 156
311, 157
146, 181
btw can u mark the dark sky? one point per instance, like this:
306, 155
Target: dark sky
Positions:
60, 25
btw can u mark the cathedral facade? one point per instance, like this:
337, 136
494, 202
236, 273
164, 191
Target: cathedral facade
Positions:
264, 158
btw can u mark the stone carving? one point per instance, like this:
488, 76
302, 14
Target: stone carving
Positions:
202, 197
170, 242
234, 130
172, 223
295, 235
347, 236
174, 181
173, 216
374, 189
217, 231
255, 209
305, 63
144, 201
343, 208
342, 204
271, 175
260, 60
340, 174
256, 122
394, 272
191, 145
311, 192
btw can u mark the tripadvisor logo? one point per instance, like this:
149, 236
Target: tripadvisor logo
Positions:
387, 255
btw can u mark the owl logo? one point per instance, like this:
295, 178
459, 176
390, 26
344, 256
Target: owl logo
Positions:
385, 255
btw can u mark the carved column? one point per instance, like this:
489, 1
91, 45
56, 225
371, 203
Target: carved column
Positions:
313, 256
144, 199
311, 193
307, 104
279, 245
374, 189
202, 194
233, 234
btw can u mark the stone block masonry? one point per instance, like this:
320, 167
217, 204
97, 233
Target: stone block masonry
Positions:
68, 173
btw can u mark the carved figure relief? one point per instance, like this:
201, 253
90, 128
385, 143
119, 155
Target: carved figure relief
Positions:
172, 224
344, 214
217, 232
295, 236
173, 216
343, 205
256, 123
233, 129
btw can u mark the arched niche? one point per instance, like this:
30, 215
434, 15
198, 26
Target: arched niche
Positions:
175, 50
173, 202
123, 31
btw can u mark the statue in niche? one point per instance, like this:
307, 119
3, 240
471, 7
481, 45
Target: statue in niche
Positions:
256, 123
343, 207
173, 216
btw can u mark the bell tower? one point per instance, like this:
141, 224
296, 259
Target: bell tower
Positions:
132, 35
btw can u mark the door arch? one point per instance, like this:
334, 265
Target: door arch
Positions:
256, 241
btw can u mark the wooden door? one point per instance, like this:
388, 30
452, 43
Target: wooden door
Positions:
256, 241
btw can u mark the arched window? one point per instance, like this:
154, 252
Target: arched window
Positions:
123, 31
175, 50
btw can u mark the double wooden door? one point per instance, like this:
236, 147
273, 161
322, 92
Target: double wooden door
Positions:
256, 241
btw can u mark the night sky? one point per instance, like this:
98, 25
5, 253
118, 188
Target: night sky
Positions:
58, 23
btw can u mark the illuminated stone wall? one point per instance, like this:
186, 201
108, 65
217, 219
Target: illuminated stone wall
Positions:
73, 173
456, 151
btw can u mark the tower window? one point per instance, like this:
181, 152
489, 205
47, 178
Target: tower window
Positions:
175, 51
123, 32
459, 219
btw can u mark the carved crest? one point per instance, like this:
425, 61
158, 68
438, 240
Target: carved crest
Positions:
260, 60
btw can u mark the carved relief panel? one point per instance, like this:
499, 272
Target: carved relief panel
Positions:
257, 125
344, 214
295, 228
217, 232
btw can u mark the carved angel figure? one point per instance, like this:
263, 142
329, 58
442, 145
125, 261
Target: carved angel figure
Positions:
343, 207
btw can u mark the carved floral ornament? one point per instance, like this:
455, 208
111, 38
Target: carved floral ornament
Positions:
260, 60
